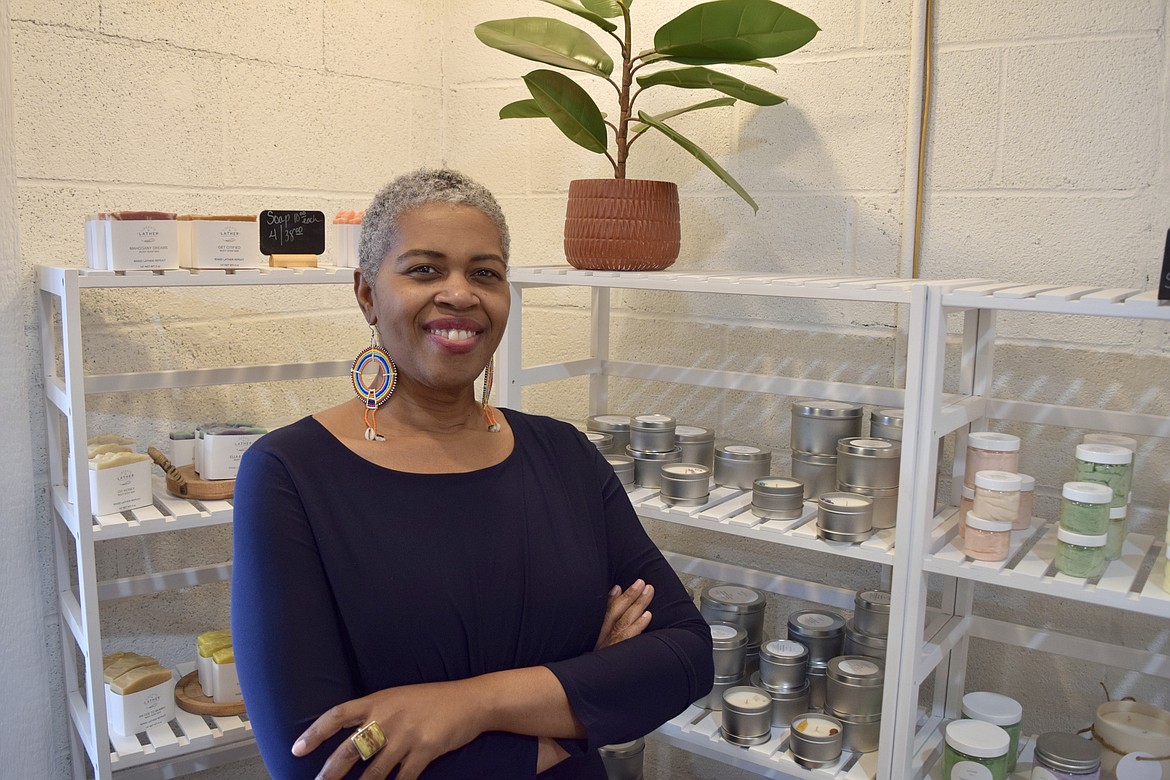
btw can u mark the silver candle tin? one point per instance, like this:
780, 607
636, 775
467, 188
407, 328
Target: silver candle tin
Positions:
857, 643
817, 472
648, 465
778, 498
814, 750
616, 425
861, 733
729, 648
821, 631
885, 503
623, 761
602, 441
855, 685
871, 613
697, 443
652, 433
783, 664
817, 683
817, 426
714, 699
740, 465
787, 703
623, 467
868, 463
844, 517
685, 484
738, 605
751, 660
887, 423
747, 716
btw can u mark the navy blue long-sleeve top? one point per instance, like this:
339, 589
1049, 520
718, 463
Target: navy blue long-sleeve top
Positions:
349, 578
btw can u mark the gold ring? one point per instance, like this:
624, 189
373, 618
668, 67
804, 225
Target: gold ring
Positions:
368, 740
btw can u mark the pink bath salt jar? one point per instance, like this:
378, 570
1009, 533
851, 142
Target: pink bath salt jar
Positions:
1027, 503
965, 504
991, 451
987, 540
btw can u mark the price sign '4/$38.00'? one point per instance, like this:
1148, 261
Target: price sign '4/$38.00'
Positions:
292, 232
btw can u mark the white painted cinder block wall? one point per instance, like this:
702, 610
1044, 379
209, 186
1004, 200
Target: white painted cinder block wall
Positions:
1046, 162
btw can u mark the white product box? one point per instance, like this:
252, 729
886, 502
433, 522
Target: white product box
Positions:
346, 239
182, 452
134, 713
95, 241
220, 243
220, 458
142, 244
120, 488
225, 684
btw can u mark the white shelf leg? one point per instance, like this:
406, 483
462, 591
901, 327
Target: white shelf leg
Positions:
599, 349
508, 355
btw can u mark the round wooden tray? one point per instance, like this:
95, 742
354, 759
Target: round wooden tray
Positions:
197, 487
189, 696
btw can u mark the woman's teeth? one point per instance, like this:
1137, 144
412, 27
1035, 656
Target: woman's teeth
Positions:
455, 335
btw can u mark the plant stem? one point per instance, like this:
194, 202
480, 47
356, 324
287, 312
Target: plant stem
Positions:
624, 103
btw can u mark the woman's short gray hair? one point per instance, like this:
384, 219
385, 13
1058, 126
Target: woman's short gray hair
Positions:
411, 190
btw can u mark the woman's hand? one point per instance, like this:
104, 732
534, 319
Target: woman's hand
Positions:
421, 723
625, 614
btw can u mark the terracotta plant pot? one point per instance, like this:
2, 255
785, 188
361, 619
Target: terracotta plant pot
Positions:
622, 224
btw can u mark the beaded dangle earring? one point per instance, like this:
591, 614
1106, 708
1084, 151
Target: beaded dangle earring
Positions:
376, 394
489, 376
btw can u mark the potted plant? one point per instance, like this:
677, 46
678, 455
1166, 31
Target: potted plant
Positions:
619, 223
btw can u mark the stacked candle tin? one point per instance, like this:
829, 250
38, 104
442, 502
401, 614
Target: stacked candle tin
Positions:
869, 467
741, 606
817, 427
867, 633
783, 674
853, 695
651, 446
823, 633
740, 465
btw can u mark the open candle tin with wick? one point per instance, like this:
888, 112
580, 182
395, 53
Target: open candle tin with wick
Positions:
747, 716
623, 467
697, 444
815, 740
844, 517
787, 703
868, 463
740, 465
817, 426
648, 465
602, 441
616, 425
685, 484
817, 472
778, 498
652, 433
714, 699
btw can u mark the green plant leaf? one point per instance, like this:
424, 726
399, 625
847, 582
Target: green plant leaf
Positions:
724, 101
522, 109
704, 78
584, 13
607, 8
547, 40
569, 107
734, 31
700, 155
650, 57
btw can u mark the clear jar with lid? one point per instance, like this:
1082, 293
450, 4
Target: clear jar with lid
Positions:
1108, 465
975, 749
1118, 525
1080, 555
991, 451
1027, 503
1084, 507
652, 433
740, 465
997, 495
987, 540
965, 504
1060, 756
616, 425
697, 444
1000, 710
817, 426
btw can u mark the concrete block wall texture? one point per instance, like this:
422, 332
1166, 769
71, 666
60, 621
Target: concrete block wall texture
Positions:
1046, 162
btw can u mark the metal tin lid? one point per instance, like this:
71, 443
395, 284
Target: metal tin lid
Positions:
992, 708
598, 438
1111, 438
815, 624
857, 670
693, 434
623, 750
891, 418
781, 694
993, 442
1068, 752
873, 601
733, 598
778, 486
996, 526
978, 738
669, 455
741, 452
652, 422
1087, 492
1080, 540
725, 636
854, 720
1027, 483
869, 447
838, 409
861, 638
813, 459
1106, 454
846, 503
609, 423
686, 472
785, 652
998, 480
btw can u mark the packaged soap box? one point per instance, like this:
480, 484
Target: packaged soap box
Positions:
220, 446
347, 231
119, 479
133, 240
220, 241
140, 697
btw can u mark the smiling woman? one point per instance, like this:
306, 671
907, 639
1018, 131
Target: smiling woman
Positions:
422, 588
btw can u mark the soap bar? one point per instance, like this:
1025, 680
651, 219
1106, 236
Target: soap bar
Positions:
140, 679
109, 460
119, 663
208, 644
110, 438
100, 449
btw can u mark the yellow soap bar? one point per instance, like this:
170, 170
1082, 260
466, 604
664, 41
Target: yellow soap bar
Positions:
100, 449
118, 664
110, 438
224, 655
210, 641
140, 678
109, 460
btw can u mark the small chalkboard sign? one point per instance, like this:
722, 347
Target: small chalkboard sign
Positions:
292, 232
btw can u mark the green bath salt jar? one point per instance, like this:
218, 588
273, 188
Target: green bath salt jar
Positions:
1084, 508
1080, 555
975, 750
999, 710
1118, 525
1106, 464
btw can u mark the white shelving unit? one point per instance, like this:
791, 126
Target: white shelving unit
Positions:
189, 743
